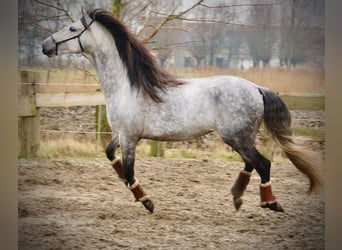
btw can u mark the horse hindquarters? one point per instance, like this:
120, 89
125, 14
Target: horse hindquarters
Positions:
277, 121
240, 134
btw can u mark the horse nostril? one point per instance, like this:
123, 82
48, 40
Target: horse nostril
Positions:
46, 50
48, 47
43, 49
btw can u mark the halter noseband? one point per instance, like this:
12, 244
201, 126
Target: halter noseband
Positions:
78, 36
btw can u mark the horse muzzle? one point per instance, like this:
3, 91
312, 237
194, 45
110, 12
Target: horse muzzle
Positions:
49, 47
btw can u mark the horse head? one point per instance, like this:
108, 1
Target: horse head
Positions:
73, 38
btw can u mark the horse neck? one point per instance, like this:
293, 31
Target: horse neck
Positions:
110, 69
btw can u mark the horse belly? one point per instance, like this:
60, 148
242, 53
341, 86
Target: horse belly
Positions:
178, 127
175, 131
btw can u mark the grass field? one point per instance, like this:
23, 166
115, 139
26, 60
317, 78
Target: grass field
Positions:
315, 134
304, 102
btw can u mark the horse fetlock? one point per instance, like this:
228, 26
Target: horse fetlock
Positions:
267, 198
136, 189
140, 195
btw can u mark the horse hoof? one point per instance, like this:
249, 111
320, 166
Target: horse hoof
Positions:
275, 206
148, 204
237, 202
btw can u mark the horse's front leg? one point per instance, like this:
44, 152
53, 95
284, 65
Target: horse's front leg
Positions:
116, 161
125, 171
111, 148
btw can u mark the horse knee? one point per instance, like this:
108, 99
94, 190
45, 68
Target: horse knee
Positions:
111, 147
110, 152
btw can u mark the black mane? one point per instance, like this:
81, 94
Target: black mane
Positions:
142, 68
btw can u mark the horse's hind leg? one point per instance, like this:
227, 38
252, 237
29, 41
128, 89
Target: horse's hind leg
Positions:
254, 160
267, 199
240, 185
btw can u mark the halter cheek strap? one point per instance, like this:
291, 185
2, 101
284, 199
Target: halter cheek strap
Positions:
78, 36
79, 42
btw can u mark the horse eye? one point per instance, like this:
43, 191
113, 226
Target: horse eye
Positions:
72, 29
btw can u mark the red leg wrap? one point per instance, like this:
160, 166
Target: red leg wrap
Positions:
138, 192
240, 183
266, 194
117, 165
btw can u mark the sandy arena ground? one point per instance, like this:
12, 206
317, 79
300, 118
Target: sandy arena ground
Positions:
81, 204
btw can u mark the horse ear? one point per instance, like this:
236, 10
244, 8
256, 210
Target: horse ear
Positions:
85, 14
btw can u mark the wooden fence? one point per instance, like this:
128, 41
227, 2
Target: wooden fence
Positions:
33, 95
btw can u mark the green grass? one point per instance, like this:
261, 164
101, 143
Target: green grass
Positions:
303, 102
316, 134
229, 156
68, 148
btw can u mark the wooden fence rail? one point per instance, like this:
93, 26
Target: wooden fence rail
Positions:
33, 95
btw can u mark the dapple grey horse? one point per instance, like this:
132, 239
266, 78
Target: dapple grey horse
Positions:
144, 101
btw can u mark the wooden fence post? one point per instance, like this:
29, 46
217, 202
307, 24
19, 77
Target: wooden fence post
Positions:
104, 136
157, 148
28, 120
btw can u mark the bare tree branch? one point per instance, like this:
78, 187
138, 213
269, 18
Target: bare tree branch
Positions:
239, 5
58, 7
145, 21
205, 20
169, 18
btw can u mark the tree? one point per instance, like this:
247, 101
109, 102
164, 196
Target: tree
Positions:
261, 37
214, 32
302, 32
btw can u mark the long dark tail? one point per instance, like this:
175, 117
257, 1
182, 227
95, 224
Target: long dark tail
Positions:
277, 120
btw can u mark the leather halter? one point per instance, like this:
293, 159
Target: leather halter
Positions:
78, 36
